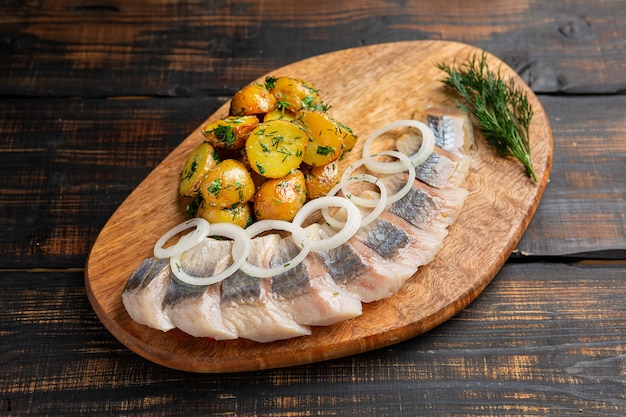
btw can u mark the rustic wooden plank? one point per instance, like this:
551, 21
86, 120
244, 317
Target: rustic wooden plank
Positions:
583, 209
68, 164
194, 48
542, 339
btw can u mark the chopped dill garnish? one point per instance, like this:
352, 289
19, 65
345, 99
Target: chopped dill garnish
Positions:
501, 109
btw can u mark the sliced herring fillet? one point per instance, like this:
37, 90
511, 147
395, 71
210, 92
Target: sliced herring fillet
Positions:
196, 309
248, 308
361, 271
308, 292
144, 293
398, 241
425, 207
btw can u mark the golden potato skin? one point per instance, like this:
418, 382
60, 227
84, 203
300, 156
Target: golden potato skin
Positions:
227, 184
326, 141
275, 148
319, 180
239, 214
294, 94
199, 162
230, 132
280, 198
278, 114
253, 99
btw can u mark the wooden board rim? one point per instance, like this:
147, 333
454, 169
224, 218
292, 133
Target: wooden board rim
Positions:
369, 67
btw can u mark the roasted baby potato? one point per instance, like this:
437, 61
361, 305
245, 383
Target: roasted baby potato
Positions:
275, 148
239, 214
201, 160
280, 198
326, 136
277, 114
227, 184
251, 100
348, 138
293, 94
319, 180
230, 132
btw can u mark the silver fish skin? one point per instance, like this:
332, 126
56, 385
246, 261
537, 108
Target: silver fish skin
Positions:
400, 242
452, 129
144, 293
361, 271
248, 307
307, 292
425, 207
196, 309
448, 165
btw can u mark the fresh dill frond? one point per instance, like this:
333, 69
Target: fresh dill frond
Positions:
501, 109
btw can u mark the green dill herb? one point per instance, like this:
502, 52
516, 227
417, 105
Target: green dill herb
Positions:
501, 109
270, 82
260, 168
224, 134
193, 206
325, 150
215, 188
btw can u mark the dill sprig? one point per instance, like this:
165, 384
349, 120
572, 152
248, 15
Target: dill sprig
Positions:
501, 109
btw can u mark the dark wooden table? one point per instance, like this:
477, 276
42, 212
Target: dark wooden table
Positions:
93, 95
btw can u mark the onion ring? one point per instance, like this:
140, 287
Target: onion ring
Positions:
426, 148
240, 251
186, 242
344, 234
378, 204
404, 162
298, 235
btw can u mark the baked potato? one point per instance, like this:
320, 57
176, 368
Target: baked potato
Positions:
280, 198
199, 162
227, 184
275, 148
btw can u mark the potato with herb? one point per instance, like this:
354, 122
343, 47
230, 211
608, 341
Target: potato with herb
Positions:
227, 184
294, 94
230, 132
326, 136
201, 160
319, 180
253, 99
280, 198
239, 214
278, 114
275, 148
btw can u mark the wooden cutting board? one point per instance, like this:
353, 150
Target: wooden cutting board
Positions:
367, 88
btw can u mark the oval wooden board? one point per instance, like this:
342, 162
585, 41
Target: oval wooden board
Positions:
367, 88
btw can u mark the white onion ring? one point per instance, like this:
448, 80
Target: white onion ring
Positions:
342, 236
298, 235
426, 148
378, 204
405, 163
240, 251
186, 242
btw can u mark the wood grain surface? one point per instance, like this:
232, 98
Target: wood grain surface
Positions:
95, 94
367, 88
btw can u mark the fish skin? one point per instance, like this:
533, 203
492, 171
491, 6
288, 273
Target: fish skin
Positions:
375, 279
426, 207
247, 305
144, 293
416, 247
308, 292
196, 309
451, 127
